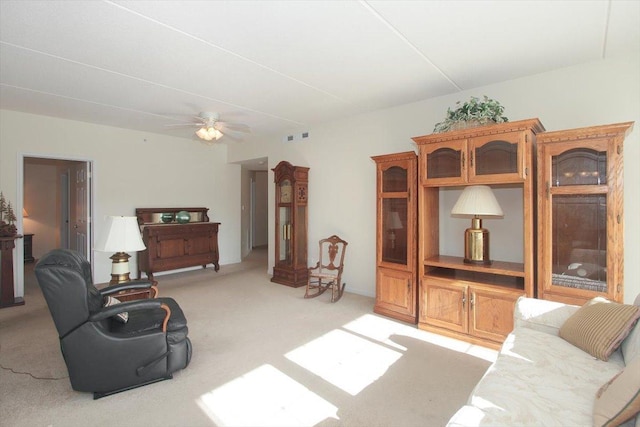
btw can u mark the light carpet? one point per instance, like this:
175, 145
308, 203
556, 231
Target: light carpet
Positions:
262, 355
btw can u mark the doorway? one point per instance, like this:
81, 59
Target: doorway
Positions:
56, 207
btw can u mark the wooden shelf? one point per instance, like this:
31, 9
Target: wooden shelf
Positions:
477, 278
515, 269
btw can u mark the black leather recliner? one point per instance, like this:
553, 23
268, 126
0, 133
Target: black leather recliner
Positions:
102, 354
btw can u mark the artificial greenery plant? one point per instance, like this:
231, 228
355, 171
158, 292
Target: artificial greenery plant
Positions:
473, 111
7, 218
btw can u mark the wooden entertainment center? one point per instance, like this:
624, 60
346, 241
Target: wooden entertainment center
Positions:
176, 243
565, 190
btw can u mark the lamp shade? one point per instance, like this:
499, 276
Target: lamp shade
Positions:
477, 200
122, 235
393, 221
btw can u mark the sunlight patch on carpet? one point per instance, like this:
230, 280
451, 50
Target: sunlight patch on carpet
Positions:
265, 397
345, 360
380, 329
385, 330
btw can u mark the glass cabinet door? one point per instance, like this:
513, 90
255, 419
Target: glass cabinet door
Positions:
579, 219
394, 219
581, 213
492, 157
444, 163
395, 224
394, 234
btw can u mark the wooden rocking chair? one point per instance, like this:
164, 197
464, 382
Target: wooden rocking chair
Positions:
324, 276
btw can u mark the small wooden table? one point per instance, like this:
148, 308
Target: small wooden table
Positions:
28, 247
7, 296
133, 294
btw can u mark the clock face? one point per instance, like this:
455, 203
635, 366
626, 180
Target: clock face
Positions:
285, 191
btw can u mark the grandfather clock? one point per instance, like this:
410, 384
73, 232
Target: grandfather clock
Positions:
291, 225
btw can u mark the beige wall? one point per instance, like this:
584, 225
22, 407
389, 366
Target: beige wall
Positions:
131, 169
135, 169
342, 175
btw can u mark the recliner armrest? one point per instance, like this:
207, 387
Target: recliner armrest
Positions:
144, 304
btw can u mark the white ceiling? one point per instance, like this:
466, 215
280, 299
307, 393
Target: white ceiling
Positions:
284, 65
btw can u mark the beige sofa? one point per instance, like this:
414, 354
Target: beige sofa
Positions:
540, 379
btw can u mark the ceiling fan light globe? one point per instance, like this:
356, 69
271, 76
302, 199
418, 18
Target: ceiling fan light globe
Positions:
202, 133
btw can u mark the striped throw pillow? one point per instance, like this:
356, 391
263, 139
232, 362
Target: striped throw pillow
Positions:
599, 326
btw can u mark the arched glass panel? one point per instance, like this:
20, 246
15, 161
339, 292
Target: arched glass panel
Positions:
394, 179
444, 163
496, 157
580, 166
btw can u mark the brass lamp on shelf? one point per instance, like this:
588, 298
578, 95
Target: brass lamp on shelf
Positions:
477, 201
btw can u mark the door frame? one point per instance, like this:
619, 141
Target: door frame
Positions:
19, 259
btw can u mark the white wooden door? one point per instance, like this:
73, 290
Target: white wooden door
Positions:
80, 214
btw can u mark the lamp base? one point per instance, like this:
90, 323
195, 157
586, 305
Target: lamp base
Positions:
119, 268
476, 244
477, 262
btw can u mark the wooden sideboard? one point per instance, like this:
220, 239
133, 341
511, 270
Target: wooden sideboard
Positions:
7, 298
172, 245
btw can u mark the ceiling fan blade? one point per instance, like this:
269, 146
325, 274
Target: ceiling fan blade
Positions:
231, 137
234, 127
178, 125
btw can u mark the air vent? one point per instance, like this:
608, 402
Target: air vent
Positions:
296, 137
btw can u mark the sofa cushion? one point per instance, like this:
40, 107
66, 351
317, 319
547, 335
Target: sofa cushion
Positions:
542, 315
538, 379
618, 400
631, 345
599, 326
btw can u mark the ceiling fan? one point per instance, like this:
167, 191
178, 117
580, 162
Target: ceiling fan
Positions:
212, 128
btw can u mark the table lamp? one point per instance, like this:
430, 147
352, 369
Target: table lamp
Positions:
393, 223
477, 201
122, 236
